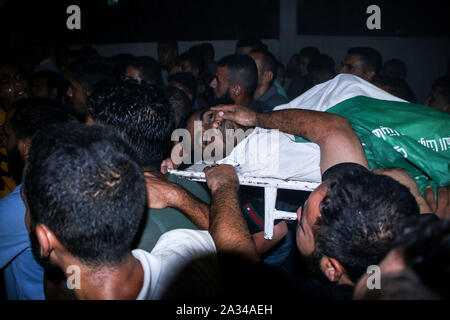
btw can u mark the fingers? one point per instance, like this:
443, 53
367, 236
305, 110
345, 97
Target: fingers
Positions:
429, 198
443, 198
224, 108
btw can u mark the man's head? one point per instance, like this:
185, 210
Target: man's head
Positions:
321, 68
180, 104
351, 221
184, 81
13, 84
23, 120
439, 97
139, 113
394, 68
266, 65
417, 268
245, 45
188, 62
85, 194
47, 84
167, 54
395, 86
82, 76
305, 57
236, 80
143, 69
363, 62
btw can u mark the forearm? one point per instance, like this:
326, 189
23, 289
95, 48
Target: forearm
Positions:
228, 228
194, 209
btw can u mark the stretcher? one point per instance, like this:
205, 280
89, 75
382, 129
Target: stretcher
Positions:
270, 185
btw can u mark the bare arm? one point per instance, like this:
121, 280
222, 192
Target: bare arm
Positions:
337, 140
162, 194
227, 226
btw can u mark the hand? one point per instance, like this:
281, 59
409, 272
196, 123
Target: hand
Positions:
160, 193
167, 164
239, 114
442, 208
222, 175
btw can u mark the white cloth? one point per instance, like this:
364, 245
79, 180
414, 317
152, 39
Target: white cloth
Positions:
271, 153
173, 252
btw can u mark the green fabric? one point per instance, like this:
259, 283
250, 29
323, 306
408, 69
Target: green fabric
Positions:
157, 222
401, 135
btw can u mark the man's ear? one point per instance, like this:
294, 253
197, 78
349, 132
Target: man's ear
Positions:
267, 76
43, 236
370, 75
331, 268
236, 90
24, 147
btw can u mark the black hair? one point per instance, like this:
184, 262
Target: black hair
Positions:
149, 69
90, 71
268, 62
187, 82
444, 84
84, 184
171, 44
120, 62
195, 61
255, 44
361, 218
309, 52
396, 86
322, 63
180, 104
242, 70
139, 112
203, 50
426, 251
372, 60
395, 68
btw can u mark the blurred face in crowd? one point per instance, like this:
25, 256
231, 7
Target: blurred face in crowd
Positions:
258, 57
132, 73
243, 50
40, 88
221, 86
78, 96
437, 100
303, 66
13, 85
353, 64
166, 55
15, 149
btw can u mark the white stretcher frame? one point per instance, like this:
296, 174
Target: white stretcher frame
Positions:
270, 185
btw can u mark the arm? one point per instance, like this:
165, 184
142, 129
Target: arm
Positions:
227, 226
162, 194
337, 140
442, 207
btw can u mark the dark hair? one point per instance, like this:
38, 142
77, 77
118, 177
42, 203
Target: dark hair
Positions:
426, 251
83, 183
444, 84
371, 58
396, 86
179, 102
268, 62
203, 50
187, 82
90, 71
140, 114
361, 218
322, 63
195, 61
242, 70
395, 68
309, 52
120, 62
34, 113
255, 44
170, 44
149, 69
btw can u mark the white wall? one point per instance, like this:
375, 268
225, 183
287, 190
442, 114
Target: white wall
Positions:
426, 58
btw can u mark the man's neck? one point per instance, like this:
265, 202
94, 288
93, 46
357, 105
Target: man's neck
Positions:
260, 90
123, 282
243, 101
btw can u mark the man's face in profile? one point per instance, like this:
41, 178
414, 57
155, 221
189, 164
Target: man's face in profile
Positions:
221, 87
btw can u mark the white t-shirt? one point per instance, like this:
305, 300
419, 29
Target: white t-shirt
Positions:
173, 253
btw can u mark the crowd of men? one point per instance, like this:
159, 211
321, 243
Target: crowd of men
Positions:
89, 209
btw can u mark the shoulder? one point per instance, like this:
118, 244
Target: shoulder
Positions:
186, 241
